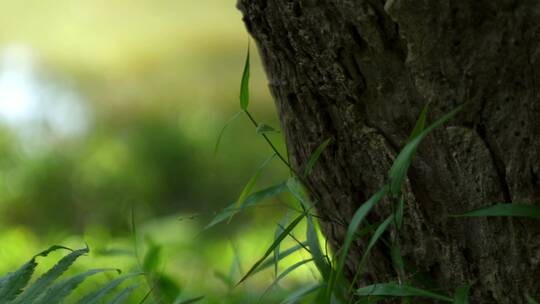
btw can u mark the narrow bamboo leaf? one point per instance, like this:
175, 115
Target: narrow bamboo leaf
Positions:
284, 274
60, 290
279, 230
244, 86
315, 156
399, 213
251, 183
278, 240
315, 248
283, 254
220, 136
14, 282
397, 260
374, 238
251, 201
396, 290
41, 284
192, 300
297, 191
462, 295
264, 128
152, 258
122, 296
513, 210
98, 295
399, 168
420, 123
357, 219
301, 293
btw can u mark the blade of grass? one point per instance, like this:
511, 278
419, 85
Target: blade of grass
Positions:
122, 296
220, 136
278, 231
264, 129
396, 290
462, 295
513, 210
192, 300
315, 156
357, 219
251, 183
278, 240
251, 201
98, 295
301, 293
284, 274
399, 168
269, 263
244, 85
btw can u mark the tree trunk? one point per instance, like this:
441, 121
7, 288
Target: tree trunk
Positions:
360, 72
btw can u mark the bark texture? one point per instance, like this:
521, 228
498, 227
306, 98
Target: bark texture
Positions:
360, 71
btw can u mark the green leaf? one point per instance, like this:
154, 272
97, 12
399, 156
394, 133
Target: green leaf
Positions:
40, 285
152, 258
98, 295
399, 213
420, 123
229, 121
315, 248
244, 86
397, 260
277, 241
192, 300
60, 290
251, 183
13, 282
122, 296
283, 254
264, 128
278, 231
462, 295
530, 300
399, 168
301, 293
513, 210
315, 156
396, 290
285, 273
357, 219
251, 201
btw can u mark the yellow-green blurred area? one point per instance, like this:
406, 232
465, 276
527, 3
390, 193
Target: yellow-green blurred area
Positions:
113, 108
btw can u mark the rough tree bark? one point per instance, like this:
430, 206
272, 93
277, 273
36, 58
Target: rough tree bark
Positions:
361, 70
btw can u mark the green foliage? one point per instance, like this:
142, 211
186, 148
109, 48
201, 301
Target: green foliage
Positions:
511, 210
400, 290
15, 290
244, 86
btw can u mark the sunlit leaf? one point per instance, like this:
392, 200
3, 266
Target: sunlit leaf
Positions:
251, 201
512, 210
285, 273
301, 293
277, 241
396, 290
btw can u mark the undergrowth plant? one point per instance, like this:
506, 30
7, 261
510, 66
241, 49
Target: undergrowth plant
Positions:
16, 288
333, 287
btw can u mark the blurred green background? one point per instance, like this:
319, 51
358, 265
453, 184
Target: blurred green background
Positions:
113, 108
